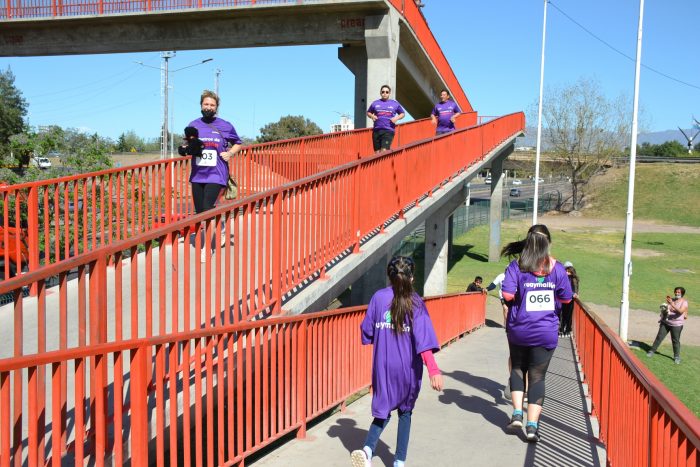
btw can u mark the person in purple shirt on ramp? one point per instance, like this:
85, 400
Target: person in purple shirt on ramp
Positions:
534, 288
212, 142
398, 325
384, 113
445, 114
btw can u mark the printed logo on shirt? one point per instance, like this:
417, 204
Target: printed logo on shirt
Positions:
387, 324
540, 284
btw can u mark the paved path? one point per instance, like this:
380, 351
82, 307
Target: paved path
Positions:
463, 425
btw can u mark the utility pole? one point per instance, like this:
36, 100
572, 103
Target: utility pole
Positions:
164, 91
216, 80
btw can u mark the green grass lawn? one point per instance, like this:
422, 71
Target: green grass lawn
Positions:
661, 261
676, 377
663, 192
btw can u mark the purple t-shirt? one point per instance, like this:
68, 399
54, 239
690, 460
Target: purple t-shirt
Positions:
211, 168
444, 112
397, 367
533, 320
385, 111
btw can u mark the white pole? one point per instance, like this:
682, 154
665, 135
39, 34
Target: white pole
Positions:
538, 149
539, 121
627, 268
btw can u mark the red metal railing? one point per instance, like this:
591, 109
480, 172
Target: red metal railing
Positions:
172, 307
641, 421
242, 386
70, 215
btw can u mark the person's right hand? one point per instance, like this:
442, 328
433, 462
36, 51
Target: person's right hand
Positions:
436, 382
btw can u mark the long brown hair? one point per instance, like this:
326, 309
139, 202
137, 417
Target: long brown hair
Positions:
400, 271
533, 251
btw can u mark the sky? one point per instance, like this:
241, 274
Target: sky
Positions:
493, 47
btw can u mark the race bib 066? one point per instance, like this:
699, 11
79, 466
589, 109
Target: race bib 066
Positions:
539, 300
208, 158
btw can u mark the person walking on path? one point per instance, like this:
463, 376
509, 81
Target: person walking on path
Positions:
672, 320
567, 309
384, 112
533, 285
445, 114
397, 324
212, 142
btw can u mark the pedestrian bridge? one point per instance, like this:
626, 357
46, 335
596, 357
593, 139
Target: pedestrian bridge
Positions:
129, 349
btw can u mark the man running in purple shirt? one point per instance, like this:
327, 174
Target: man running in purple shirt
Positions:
445, 113
384, 113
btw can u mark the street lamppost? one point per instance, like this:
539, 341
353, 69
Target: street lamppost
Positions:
165, 73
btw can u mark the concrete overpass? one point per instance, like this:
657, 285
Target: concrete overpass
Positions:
377, 44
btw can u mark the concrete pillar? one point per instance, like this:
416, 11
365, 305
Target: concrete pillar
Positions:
355, 59
374, 66
496, 209
436, 239
362, 289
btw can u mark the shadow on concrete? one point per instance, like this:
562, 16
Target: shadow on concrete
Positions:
352, 437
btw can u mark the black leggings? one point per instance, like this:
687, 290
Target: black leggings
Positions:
530, 362
205, 195
567, 311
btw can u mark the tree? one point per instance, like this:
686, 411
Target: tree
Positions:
13, 109
87, 153
584, 130
288, 127
130, 141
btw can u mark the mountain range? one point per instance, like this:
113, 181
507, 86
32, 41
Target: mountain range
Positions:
655, 137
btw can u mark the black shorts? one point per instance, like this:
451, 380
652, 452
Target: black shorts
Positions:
381, 139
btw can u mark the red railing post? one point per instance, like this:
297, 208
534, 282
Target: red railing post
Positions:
356, 207
301, 379
139, 406
168, 202
277, 253
32, 233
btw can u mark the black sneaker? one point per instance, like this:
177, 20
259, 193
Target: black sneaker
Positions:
532, 434
516, 422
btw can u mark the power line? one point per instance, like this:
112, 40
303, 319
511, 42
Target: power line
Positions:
610, 46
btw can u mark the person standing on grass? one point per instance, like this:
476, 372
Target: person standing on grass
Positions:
398, 325
384, 112
672, 321
534, 284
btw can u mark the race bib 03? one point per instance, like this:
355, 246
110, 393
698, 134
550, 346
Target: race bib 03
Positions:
539, 300
208, 158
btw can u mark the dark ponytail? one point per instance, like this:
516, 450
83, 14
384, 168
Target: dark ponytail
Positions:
400, 271
533, 251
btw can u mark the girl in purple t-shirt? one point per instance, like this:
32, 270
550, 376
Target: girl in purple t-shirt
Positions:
398, 325
534, 288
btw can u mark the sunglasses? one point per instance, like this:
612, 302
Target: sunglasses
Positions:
386, 92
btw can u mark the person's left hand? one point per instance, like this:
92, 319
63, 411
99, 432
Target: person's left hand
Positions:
436, 382
226, 156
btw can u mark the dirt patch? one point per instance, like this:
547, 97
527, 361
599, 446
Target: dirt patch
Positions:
565, 222
643, 325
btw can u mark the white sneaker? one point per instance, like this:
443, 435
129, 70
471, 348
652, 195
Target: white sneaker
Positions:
358, 458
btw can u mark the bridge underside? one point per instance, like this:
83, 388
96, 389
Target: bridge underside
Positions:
376, 44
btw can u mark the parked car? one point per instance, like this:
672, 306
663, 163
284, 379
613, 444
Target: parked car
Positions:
41, 162
488, 180
517, 181
515, 192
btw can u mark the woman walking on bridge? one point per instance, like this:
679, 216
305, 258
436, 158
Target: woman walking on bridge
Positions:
212, 142
398, 325
533, 285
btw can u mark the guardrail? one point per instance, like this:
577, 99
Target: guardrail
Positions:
641, 421
240, 386
70, 215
